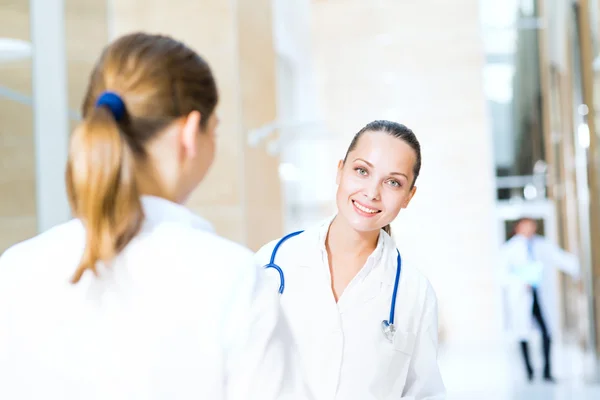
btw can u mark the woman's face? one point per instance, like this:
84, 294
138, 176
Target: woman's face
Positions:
526, 228
374, 183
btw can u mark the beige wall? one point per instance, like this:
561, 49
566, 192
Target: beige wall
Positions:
220, 196
420, 63
241, 195
17, 168
86, 31
235, 37
263, 199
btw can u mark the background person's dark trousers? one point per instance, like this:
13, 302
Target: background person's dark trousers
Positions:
537, 314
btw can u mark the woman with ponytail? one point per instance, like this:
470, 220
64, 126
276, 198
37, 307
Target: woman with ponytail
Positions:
377, 316
136, 297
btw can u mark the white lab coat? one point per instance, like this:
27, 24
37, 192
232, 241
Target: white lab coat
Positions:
513, 254
343, 349
181, 314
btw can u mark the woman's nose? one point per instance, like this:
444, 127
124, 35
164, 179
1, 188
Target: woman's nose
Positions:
372, 193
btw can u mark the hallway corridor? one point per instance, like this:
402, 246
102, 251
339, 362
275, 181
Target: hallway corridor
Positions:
481, 373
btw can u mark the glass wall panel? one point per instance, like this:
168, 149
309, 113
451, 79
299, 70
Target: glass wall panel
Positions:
512, 86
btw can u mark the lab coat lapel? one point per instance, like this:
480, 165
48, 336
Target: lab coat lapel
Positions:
372, 286
375, 284
369, 290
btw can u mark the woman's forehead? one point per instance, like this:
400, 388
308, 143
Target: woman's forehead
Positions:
384, 150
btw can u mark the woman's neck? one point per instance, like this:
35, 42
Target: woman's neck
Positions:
347, 252
149, 183
343, 239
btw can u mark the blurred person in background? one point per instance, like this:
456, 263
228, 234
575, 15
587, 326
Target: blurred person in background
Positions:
365, 323
138, 298
527, 262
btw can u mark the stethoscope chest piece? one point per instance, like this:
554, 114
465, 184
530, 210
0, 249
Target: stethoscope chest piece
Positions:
388, 330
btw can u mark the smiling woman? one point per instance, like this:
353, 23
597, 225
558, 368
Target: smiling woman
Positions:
347, 275
397, 153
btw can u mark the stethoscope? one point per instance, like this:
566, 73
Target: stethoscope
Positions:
387, 325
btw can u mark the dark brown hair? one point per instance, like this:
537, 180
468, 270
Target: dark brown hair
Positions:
158, 80
398, 131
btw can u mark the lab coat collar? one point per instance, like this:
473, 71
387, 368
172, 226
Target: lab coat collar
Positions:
382, 260
372, 261
158, 210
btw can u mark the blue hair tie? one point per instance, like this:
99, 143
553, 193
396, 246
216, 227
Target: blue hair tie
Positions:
114, 102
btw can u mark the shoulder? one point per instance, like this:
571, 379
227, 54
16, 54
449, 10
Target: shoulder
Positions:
419, 282
224, 247
199, 245
515, 239
56, 240
417, 287
425, 303
431, 299
193, 263
287, 245
543, 241
414, 278
263, 255
512, 247
30, 258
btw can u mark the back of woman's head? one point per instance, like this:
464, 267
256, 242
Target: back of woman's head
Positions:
140, 85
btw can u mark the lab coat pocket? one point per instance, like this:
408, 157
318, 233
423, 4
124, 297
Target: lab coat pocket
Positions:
403, 345
404, 342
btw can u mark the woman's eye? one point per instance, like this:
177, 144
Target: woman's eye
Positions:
395, 183
361, 171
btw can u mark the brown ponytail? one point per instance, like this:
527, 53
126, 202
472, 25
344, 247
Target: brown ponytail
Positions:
102, 188
388, 229
143, 83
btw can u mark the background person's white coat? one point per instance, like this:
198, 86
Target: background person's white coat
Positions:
181, 314
514, 253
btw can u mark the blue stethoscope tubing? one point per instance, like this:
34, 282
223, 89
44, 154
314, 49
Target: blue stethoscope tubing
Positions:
272, 264
388, 325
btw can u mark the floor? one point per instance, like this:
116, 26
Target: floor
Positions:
496, 373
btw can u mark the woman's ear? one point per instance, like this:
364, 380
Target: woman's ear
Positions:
189, 133
409, 197
340, 167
